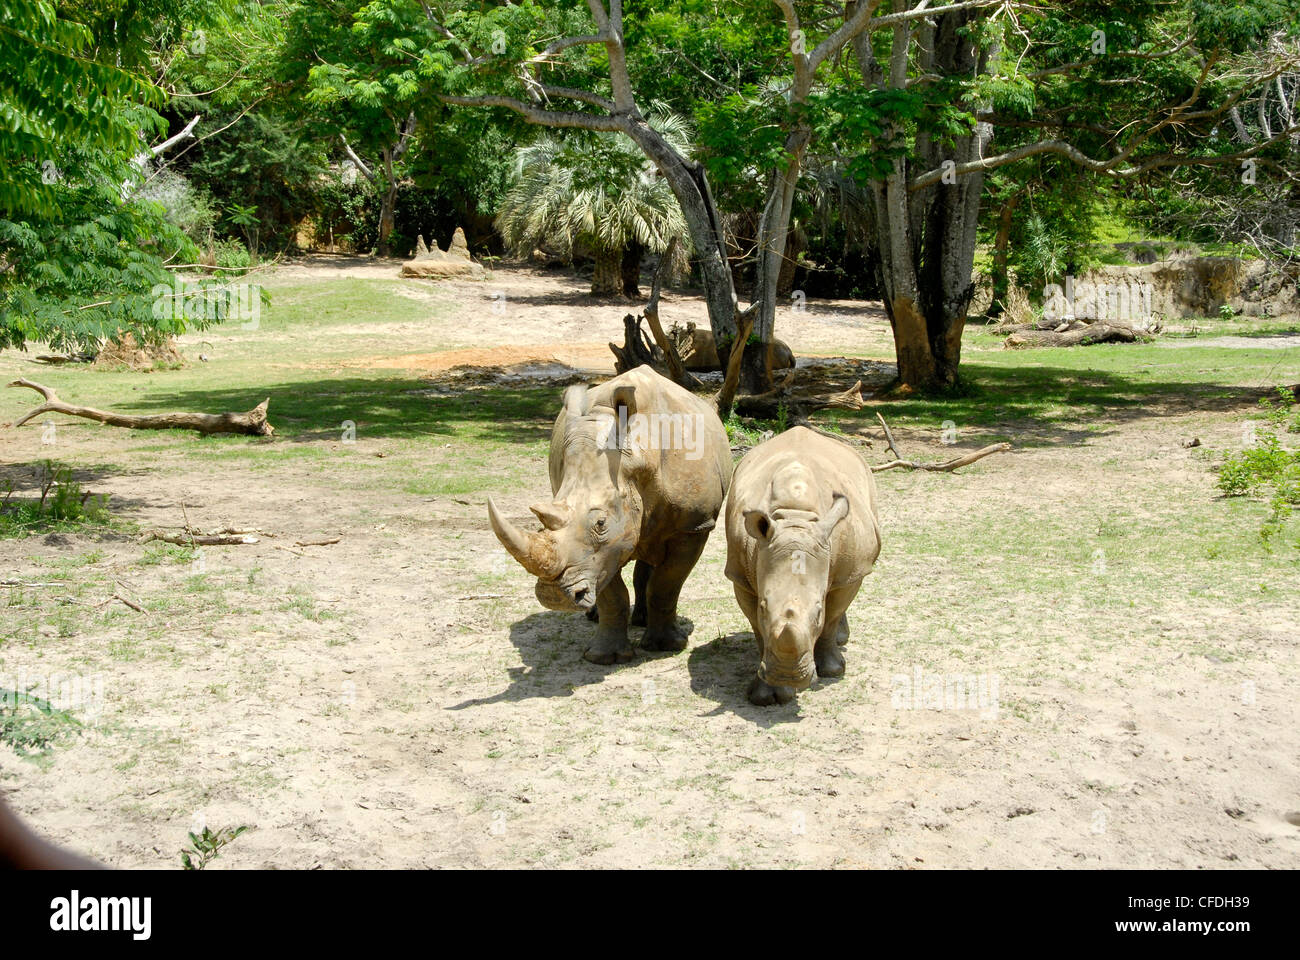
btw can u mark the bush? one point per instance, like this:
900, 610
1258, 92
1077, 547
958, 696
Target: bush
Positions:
62, 503
231, 255
185, 206
1268, 468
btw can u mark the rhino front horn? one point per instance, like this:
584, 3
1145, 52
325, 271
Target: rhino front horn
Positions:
534, 551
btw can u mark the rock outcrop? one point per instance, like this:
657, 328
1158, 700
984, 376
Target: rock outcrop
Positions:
455, 261
1197, 286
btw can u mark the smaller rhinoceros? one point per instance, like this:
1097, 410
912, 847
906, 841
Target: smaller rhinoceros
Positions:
802, 533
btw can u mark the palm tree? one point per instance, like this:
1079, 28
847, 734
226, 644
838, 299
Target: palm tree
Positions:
598, 191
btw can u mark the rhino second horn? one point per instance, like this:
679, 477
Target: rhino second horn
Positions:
533, 550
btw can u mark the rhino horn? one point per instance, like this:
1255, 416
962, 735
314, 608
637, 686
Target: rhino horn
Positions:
534, 551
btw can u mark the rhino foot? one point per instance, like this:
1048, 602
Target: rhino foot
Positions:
763, 694
829, 659
608, 650
671, 638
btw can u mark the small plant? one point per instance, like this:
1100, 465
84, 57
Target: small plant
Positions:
1268, 468
1226, 312
62, 503
744, 432
1282, 411
206, 846
782, 417
249, 224
32, 725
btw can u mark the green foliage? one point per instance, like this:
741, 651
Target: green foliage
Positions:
1042, 256
206, 846
184, 206
81, 249
52, 95
591, 188
31, 725
1268, 468
62, 504
262, 166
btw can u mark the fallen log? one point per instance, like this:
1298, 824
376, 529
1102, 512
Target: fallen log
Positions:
253, 422
948, 465
1075, 335
768, 406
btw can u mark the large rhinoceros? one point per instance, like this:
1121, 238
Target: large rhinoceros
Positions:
639, 469
802, 533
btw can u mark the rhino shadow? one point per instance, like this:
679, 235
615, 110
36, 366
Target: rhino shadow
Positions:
721, 670
550, 644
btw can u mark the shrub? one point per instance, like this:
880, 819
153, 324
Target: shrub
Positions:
1268, 468
62, 503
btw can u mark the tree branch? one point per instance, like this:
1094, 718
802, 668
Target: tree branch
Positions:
548, 118
360, 164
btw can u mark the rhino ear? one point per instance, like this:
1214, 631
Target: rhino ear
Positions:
625, 397
758, 524
576, 403
838, 511
553, 515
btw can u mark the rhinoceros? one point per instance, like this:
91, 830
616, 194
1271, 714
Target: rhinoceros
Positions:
802, 533
639, 470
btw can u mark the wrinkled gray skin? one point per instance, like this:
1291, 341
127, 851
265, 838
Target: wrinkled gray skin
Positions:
802, 533
654, 503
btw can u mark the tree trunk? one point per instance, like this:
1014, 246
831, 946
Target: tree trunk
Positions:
690, 186
773, 231
928, 235
607, 275
385, 245
631, 269
795, 245
1001, 247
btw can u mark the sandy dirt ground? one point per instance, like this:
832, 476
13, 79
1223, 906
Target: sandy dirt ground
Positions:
561, 322
398, 699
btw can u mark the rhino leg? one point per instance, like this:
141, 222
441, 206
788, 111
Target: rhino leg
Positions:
611, 644
827, 657
826, 652
763, 694
664, 586
640, 578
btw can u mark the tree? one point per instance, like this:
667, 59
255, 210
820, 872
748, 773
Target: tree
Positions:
78, 260
1120, 92
597, 64
594, 190
356, 73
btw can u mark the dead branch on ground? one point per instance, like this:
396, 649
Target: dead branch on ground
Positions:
252, 422
946, 466
190, 536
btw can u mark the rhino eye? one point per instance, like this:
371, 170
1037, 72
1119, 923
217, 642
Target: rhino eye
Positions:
600, 525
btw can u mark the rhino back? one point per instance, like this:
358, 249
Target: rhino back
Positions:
834, 467
681, 485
